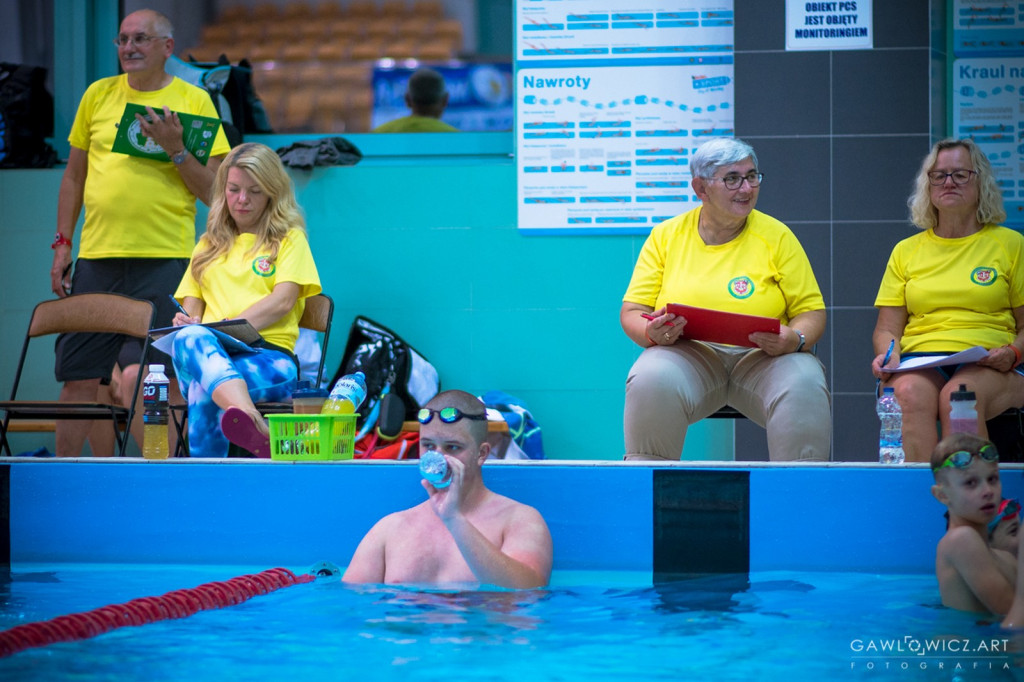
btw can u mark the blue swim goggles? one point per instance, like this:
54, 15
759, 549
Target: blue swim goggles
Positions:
961, 459
448, 415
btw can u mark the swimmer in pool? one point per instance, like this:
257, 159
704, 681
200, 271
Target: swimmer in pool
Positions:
461, 533
972, 575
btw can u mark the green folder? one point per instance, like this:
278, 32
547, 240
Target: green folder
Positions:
199, 134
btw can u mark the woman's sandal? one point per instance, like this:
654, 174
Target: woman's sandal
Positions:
239, 428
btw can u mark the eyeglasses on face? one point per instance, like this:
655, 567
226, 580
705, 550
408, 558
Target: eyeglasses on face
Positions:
961, 459
448, 415
139, 39
735, 180
961, 176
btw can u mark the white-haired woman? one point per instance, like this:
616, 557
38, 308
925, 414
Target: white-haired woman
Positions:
253, 263
726, 256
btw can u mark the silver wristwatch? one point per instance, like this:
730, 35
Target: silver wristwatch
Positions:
180, 157
803, 340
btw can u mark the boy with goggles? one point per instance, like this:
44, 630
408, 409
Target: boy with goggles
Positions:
463, 533
972, 575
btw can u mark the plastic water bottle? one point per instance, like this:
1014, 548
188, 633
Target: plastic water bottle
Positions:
347, 395
154, 417
963, 415
434, 468
890, 439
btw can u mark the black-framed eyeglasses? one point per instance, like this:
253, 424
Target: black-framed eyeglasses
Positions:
735, 180
139, 39
961, 176
448, 415
961, 459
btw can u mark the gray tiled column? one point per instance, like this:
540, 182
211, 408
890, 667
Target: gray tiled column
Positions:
839, 136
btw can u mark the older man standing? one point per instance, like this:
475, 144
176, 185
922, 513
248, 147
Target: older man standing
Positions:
463, 532
139, 227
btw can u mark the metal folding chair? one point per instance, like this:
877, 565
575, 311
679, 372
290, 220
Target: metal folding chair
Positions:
101, 313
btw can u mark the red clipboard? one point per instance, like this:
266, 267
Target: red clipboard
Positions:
716, 326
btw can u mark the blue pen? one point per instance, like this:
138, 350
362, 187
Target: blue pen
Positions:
888, 354
185, 312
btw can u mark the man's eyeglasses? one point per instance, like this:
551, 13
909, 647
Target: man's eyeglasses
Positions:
961, 459
448, 415
960, 177
139, 39
735, 180
1007, 509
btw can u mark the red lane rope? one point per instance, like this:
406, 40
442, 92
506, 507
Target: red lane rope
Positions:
176, 604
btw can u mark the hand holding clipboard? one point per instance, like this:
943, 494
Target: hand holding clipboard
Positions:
716, 326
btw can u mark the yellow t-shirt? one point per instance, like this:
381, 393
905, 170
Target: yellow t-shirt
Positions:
958, 293
764, 271
134, 207
239, 279
415, 124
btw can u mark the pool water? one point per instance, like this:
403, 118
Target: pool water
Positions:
585, 626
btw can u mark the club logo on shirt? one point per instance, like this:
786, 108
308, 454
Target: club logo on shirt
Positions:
984, 276
741, 287
263, 266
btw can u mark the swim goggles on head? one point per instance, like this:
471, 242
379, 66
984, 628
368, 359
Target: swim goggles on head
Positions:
449, 415
1007, 509
961, 459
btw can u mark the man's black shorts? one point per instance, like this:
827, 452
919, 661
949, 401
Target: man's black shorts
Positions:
92, 356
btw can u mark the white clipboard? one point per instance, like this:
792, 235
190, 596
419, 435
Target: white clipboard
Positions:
970, 355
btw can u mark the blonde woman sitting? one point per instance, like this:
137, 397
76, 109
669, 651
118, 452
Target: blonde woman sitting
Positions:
253, 263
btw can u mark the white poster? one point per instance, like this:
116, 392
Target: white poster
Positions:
834, 25
611, 102
988, 106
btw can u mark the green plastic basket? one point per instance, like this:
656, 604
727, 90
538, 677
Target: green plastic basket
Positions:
312, 437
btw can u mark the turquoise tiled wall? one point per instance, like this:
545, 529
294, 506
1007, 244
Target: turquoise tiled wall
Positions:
428, 246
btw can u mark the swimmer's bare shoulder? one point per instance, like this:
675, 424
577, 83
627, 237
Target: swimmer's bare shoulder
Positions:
368, 563
971, 576
525, 535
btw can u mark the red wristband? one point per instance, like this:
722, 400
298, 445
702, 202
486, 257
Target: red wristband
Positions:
60, 240
1015, 352
653, 342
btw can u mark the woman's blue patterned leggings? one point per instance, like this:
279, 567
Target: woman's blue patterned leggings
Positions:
202, 364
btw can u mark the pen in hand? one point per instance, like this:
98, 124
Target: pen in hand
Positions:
648, 316
888, 353
179, 306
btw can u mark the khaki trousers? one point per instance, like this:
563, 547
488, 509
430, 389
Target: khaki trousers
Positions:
671, 387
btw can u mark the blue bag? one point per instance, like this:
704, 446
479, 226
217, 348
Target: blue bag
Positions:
522, 427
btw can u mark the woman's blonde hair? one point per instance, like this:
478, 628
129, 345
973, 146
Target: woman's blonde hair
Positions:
282, 212
990, 200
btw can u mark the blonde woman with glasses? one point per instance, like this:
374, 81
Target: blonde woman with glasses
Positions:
957, 284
